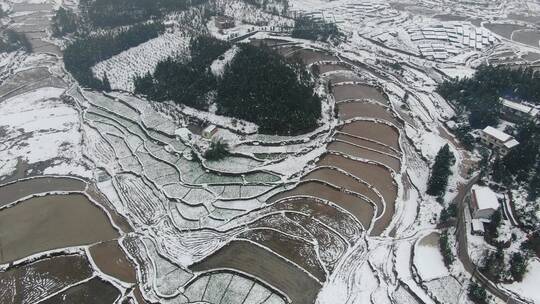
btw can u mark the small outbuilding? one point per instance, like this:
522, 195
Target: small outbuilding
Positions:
477, 227
484, 202
209, 131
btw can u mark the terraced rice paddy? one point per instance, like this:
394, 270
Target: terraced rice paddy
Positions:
31, 282
111, 260
359, 207
258, 262
359, 109
90, 292
12, 192
358, 92
49, 222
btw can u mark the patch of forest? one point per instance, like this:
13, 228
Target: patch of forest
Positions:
306, 27
85, 51
276, 93
479, 95
257, 85
112, 13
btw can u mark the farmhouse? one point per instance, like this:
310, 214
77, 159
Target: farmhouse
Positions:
484, 202
516, 112
224, 22
498, 140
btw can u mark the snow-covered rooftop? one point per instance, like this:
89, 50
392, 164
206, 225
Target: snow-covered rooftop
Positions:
511, 143
485, 197
477, 225
499, 135
520, 107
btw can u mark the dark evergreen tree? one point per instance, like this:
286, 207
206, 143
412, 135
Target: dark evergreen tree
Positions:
518, 266
446, 250
477, 293
106, 83
494, 267
491, 228
440, 172
64, 22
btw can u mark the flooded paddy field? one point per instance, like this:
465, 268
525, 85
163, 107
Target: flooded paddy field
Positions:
531, 38
344, 181
226, 286
338, 220
504, 30
311, 56
258, 262
367, 144
111, 259
50, 222
343, 77
378, 132
375, 175
357, 92
90, 292
353, 109
293, 249
360, 208
359, 152
331, 67
31, 282
531, 56
15, 191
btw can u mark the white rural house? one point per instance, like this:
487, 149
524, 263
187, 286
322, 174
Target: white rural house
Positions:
484, 202
498, 140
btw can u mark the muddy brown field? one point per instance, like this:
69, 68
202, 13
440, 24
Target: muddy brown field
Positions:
330, 67
375, 175
258, 262
353, 109
366, 144
358, 91
58, 272
341, 180
50, 222
18, 190
345, 223
295, 250
359, 207
311, 56
359, 152
91, 292
378, 132
111, 259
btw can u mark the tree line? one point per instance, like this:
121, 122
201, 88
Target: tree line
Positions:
85, 51
258, 85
